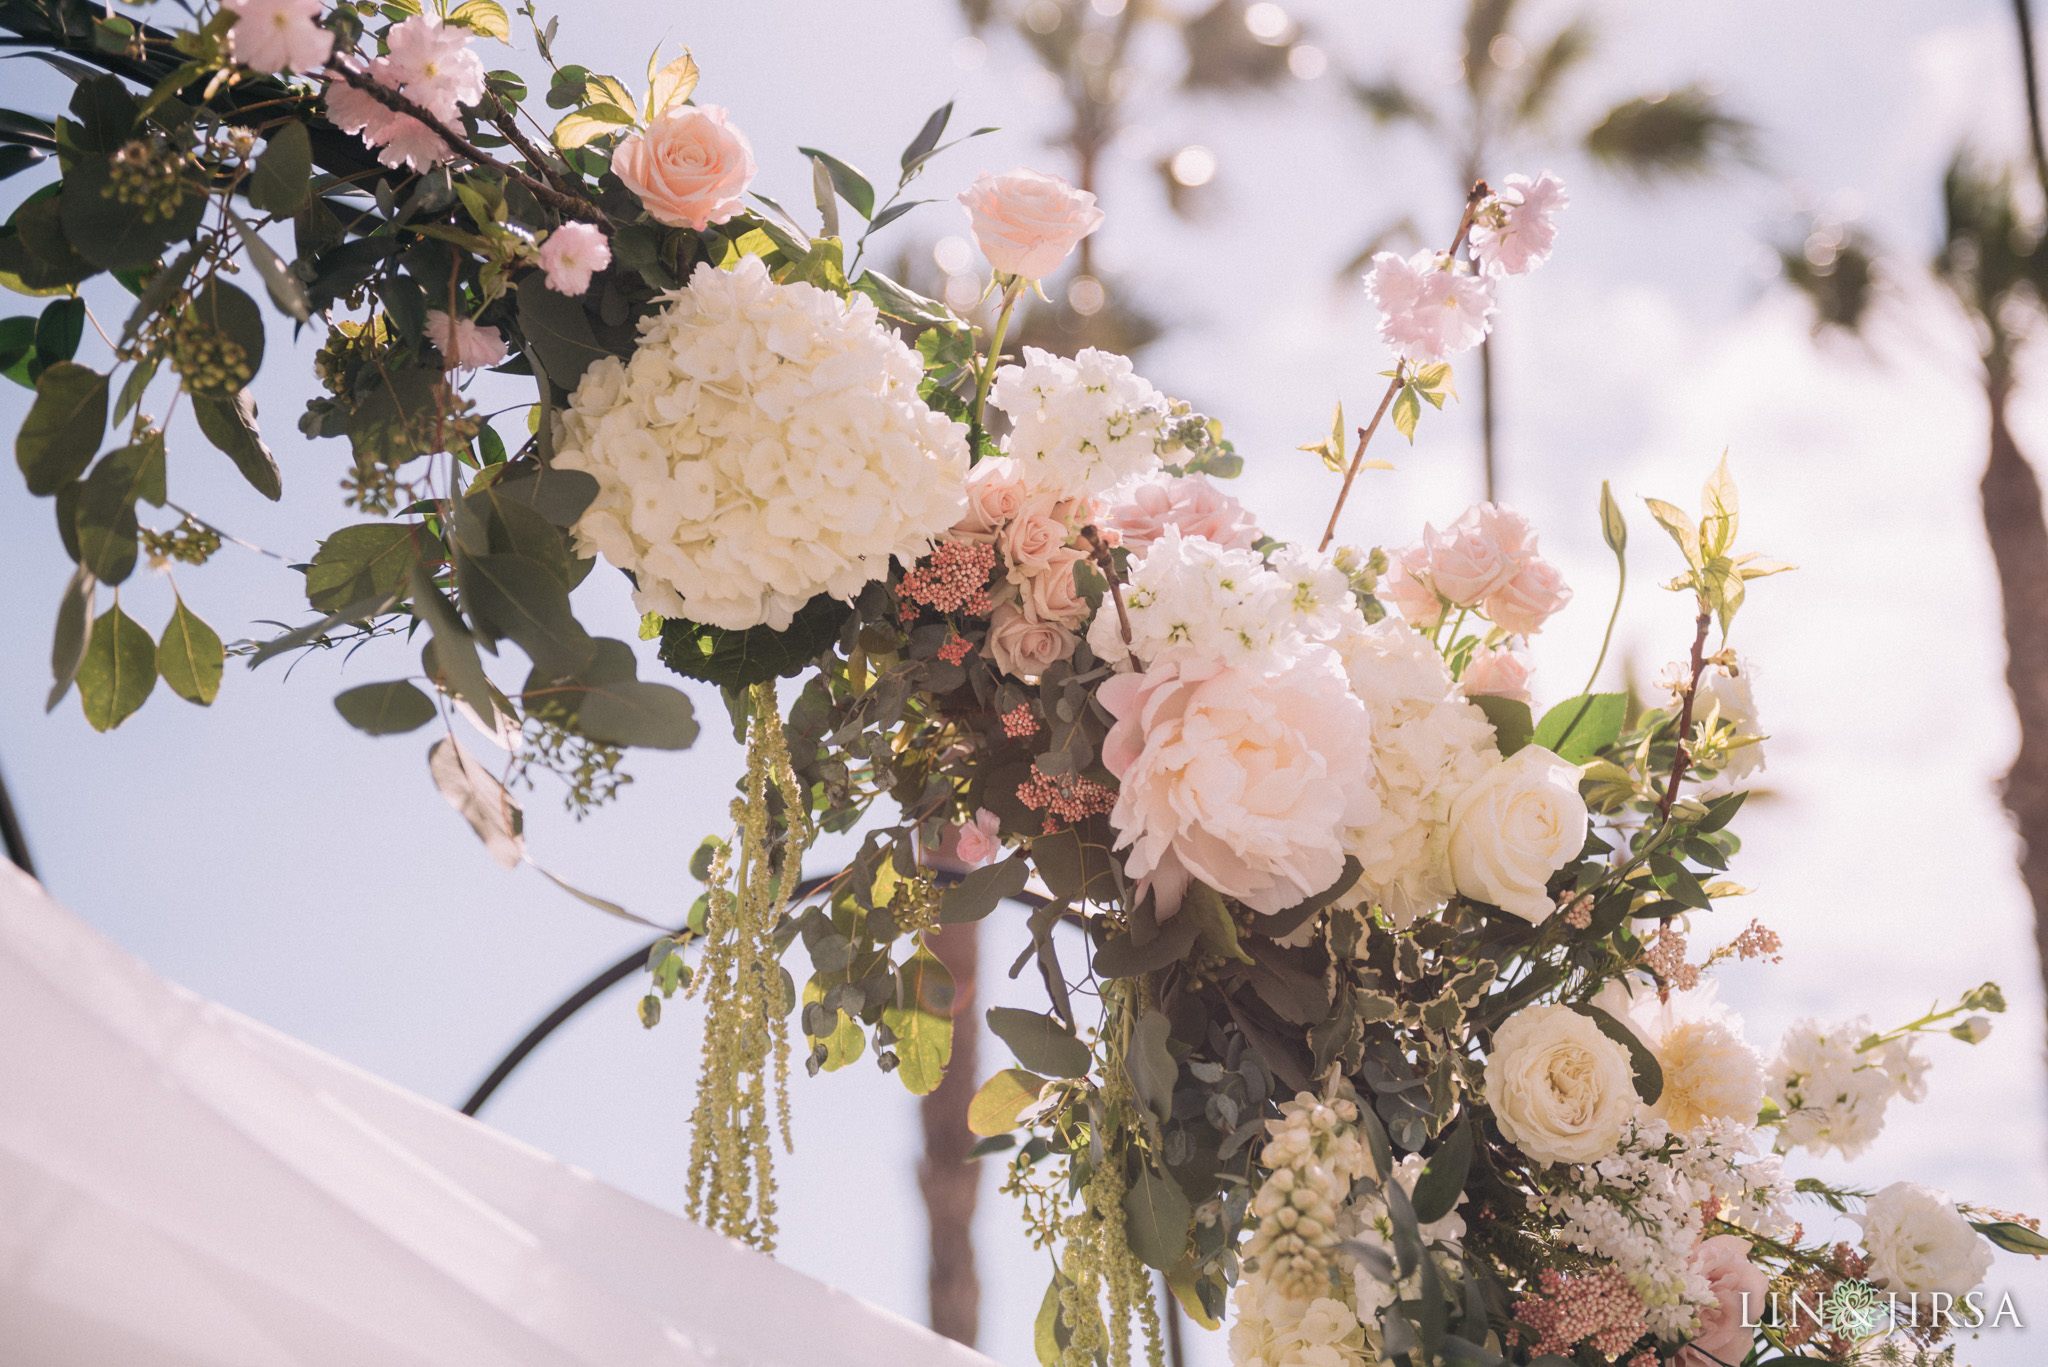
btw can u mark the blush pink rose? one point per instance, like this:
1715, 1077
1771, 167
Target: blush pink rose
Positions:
1143, 509
1035, 537
1025, 222
1051, 595
1498, 673
1724, 1261
995, 494
1525, 602
1244, 777
1478, 554
1407, 588
1024, 646
690, 168
571, 255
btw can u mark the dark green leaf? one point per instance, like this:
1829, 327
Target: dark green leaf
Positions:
852, 186
104, 518
512, 527
18, 350
189, 657
230, 424
928, 136
63, 428
1040, 1043
560, 496
1203, 905
74, 632
1649, 1074
162, 284
1284, 923
355, 612
234, 316
114, 235
636, 712
118, 671
59, 330
898, 301
368, 559
452, 662
735, 659
2013, 1238
27, 130
896, 211
1720, 812
286, 290
557, 328
1156, 1216
385, 709
105, 115
284, 171
1150, 1064
1512, 723
513, 596
47, 260
1119, 957
398, 415
1579, 728
979, 893
1443, 1175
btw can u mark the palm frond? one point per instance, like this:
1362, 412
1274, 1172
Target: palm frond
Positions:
1683, 133
1485, 21
1573, 44
1389, 102
1836, 269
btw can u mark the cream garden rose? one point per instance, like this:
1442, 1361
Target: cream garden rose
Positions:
1919, 1242
691, 168
1025, 222
1515, 827
1561, 1090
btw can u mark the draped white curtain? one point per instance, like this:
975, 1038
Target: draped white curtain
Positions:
183, 1187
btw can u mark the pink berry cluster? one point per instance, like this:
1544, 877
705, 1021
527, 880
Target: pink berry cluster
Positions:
1574, 1307
1064, 797
954, 579
1020, 722
1665, 954
956, 649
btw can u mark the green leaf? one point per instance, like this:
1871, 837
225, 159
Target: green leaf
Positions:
512, 527
1284, 923
636, 712
18, 348
513, 596
736, 659
1121, 957
927, 137
1040, 1043
1613, 528
1512, 723
1156, 1217
114, 235
385, 709
189, 657
366, 559
898, 301
483, 16
118, 671
1649, 1074
105, 115
1150, 1064
481, 799
283, 172
57, 333
455, 661
286, 290
1001, 1100
1674, 520
1203, 905
359, 611
63, 427
74, 634
2013, 1238
1720, 812
233, 315
1443, 1175
398, 416
982, 890
852, 186
921, 1018
558, 330
1578, 728
230, 424
1407, 412
1046, 1326
104, 517
46, 262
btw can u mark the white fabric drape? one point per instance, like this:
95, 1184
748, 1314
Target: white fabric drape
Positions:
183, 1187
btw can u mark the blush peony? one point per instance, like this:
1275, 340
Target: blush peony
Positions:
1710, 1072
1739, 1288
1243, 776
1520, 823
1560, 1090
1142, 509
691, 168
1025, 222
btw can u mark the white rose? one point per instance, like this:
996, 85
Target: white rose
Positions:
1515, 827
1560, 1090
1919, 1242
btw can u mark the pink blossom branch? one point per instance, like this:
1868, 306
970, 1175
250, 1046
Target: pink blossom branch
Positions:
1478, 194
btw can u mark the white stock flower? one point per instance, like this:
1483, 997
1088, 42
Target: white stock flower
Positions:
1560, 1090
1730, 699
1080, 426
1832, 1095
1521, 822
765, 444
1709, 1070
1919, 1242
1428, 745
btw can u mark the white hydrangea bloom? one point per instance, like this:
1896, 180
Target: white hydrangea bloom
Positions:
1080, 426
765, 444
1641, 1210
1429, 746
1187, 591
1832, 1095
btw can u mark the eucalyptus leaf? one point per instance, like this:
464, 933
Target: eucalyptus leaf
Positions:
480, 798
118, 671
385, 709
1150, 1064
1443, 1175
1156, 1218
189, 657
995, 1108
982, 890
286, 290
230, 424
73, 636
63, 428
283, 172
557, 328
1040, 1043
456, 665
921, 1018
114, 235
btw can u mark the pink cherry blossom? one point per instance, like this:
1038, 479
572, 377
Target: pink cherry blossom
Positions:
1514, 234
980, 840
1242, 776
571, 255
1429, 309
278, 35
435, 66
470, 347
1142, 509
1498, 673
1025, 222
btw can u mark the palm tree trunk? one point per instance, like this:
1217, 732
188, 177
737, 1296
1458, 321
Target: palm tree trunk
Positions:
2018, 534
950, 1183
1486, 412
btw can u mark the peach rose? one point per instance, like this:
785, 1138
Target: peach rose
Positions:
1035, 537
1024, 646
1051, 595
1724, 1334
1526, 601
1498, 673
995, 494
690, 168
1026, 222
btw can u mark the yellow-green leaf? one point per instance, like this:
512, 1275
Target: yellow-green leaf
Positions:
580, 127
1673, 520
1407, 412
612, 89
846, 1041
1757, 566
1720, 511
483, 16
921, 1018
119, 669
189, 657
1001, 1100
672, 84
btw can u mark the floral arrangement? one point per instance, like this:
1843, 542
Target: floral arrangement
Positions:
1374, 1023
